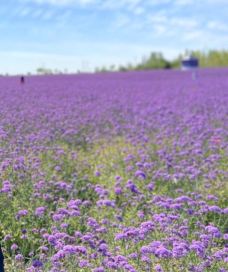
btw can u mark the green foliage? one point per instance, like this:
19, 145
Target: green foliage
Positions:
212, 58
48, 71
156, 60
44, 71
78, 167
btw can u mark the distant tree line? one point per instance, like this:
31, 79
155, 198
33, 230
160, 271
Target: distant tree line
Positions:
156, 60
213, 58
48, 71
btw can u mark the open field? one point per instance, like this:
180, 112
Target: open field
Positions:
115, 172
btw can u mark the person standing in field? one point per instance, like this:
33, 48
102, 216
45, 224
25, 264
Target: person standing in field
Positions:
22, 79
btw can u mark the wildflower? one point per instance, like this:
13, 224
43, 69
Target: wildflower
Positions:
140, 174
8, 237
118, 190
21, 213
14, 247
40, 211
213, 231
163, 252
83, 263
215, 209
180, 249
37, 263
97, 174
158, 268
19, 258
198, 248
99, 269
133, 256
133, 188
150, 186
6, 187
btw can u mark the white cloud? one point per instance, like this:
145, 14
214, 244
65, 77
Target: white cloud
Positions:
37, 13
122, 20
136, 6
25, 11
139, 10
160, 29
183, 2
48, 15
184, 23
216, 25
63, 2
158, 18
193, 35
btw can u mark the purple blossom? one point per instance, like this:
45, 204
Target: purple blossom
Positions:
99, 269
19, 258
37, 263
40, 211
21, 213
198, 248
14, 247
6, 187
163, 252
140, 174
158, 268
132, 187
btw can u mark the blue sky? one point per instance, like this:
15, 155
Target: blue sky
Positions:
83, 34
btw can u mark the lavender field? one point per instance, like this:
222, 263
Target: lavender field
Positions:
115, 172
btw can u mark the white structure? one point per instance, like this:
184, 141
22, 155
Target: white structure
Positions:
189, 63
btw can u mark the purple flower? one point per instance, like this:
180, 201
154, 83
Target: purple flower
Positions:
150, 186
198, 248
213, 231
14, 247
163, 252
147, 226
69, 249
83, 263
140, 174
120, 236
215, 209
133, 188
133, 256
158, 268
146, 250
106, 202
21, 213
97, 174
58, 256
37, 263
146, 259
225, 211
8, 237
52, 240
140, 214
6, 187
40, 211
118, 190
19, 258
180, 249
99, 269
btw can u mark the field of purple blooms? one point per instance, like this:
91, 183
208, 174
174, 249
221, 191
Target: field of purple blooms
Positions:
115, 172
